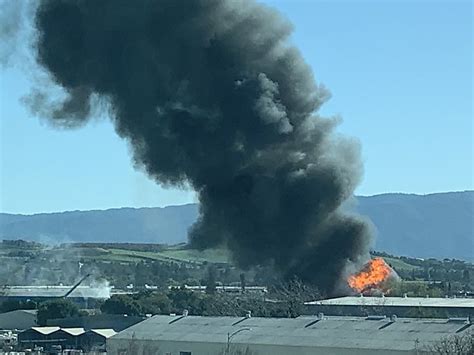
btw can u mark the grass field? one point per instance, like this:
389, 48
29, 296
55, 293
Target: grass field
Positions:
185, 255
177, 253
398, 264
169, 255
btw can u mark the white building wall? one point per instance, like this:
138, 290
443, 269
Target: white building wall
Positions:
147, 347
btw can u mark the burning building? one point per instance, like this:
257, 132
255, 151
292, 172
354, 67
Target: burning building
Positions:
373, 278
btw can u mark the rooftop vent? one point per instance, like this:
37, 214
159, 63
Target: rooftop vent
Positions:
318, 319
459, 320
393, 319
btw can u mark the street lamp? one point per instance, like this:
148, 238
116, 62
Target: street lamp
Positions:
231, 335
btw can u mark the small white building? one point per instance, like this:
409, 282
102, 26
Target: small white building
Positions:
193, 335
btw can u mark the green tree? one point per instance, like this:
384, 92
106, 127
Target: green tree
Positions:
184, 299
466, 276
61, 308
10, 305
211, 280
121, 304
292, 295
155, 303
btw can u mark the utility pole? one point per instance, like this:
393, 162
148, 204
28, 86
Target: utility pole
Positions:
231, 335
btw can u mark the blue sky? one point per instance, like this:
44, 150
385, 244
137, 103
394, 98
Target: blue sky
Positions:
400, 74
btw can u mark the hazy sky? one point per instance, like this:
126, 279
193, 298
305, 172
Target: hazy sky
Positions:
400, 74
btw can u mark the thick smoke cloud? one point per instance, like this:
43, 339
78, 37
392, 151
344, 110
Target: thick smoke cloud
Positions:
212, 94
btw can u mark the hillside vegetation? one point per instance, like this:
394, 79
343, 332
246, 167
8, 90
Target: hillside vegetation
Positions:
436, 225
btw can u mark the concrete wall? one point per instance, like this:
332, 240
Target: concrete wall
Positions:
400, 311
140, 347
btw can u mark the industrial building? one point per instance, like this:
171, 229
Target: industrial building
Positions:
18, 320
95, 339
36, 337
64, 338
68, 338
225, 289
401, 306
117, 322
195, 335
84, 296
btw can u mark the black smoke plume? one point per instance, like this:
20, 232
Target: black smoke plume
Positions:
211, 93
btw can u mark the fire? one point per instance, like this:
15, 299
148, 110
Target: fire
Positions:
374, 273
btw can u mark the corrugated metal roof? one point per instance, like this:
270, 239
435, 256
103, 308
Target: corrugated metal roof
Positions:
106, 333
45, 330
340, 332
396, 302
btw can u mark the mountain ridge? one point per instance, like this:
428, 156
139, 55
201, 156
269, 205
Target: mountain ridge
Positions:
430, 225
191, 203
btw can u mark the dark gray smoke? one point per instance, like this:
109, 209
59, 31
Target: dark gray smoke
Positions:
212, 94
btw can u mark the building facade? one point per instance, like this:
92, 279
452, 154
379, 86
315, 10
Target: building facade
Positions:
84, 296
401, 306
49, 338
193, 335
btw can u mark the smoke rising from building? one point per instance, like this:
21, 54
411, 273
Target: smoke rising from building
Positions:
212, 94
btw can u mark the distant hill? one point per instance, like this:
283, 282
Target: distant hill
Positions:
167, 225
436, 225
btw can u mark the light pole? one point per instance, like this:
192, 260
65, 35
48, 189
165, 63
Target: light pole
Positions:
231, 335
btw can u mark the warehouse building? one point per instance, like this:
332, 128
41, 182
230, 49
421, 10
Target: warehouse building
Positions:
225, 289
84, 296
95, 339
401, 306
50, 338
36, 337
18, 320
67, 338
117, 322
194, 335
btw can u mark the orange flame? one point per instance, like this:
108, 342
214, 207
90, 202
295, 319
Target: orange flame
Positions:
374, 273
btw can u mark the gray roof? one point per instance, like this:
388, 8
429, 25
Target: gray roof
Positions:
340, 332
53, 291
397, 302
18, 319
17, 312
